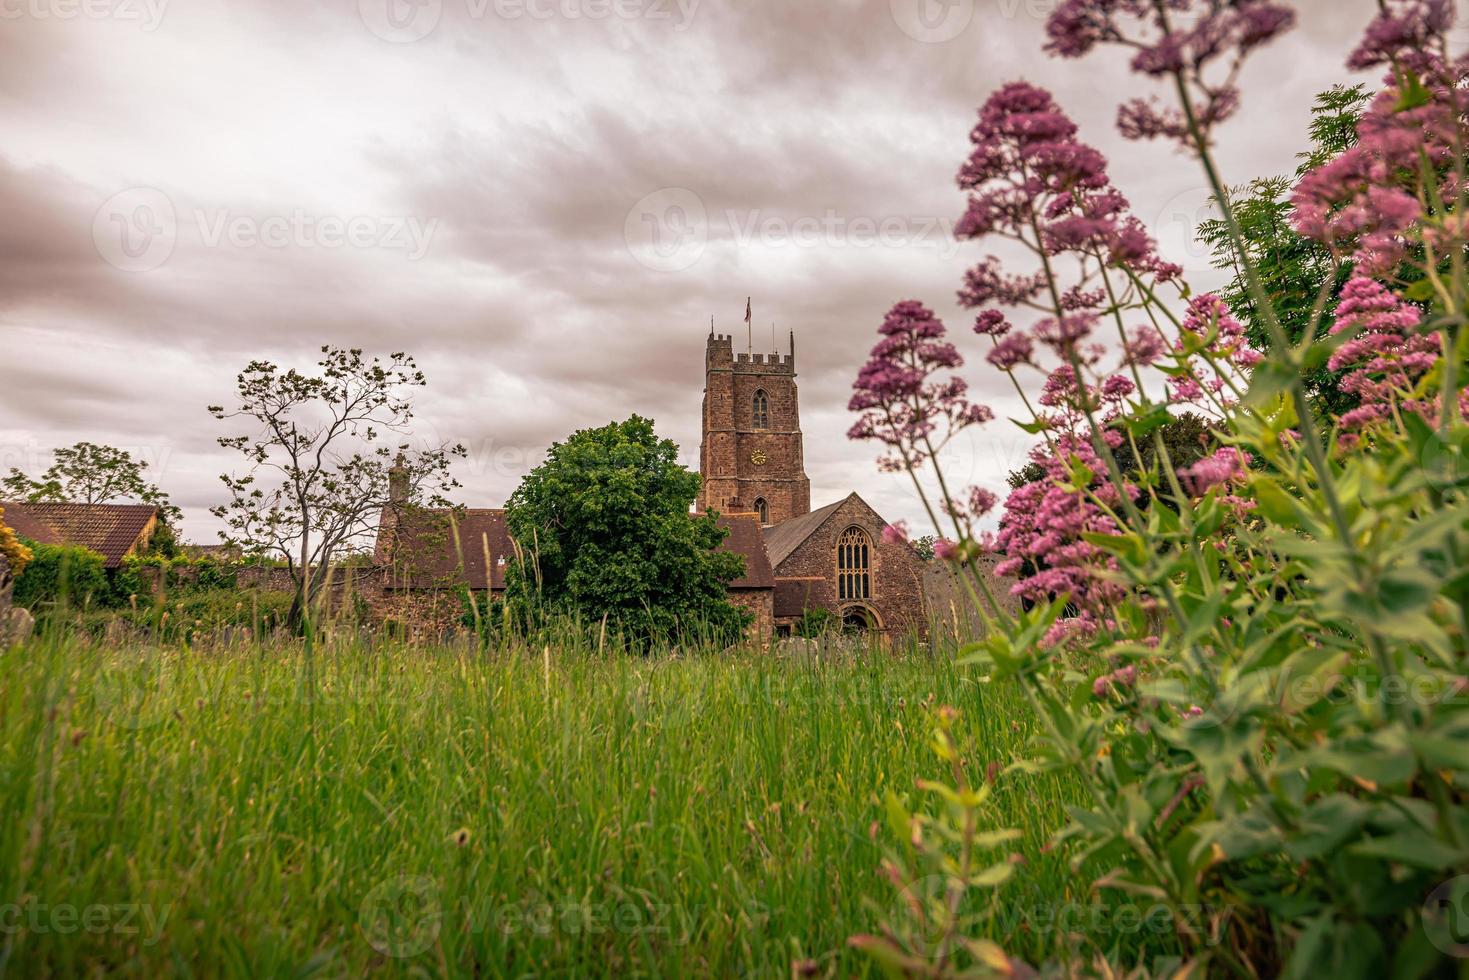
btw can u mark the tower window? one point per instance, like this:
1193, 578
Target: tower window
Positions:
854, 569
762, 509
762, 410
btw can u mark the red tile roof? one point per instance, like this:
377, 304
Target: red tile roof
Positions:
111, 530
426, 548
747, 538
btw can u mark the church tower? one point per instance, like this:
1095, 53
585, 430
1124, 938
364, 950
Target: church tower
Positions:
751, 458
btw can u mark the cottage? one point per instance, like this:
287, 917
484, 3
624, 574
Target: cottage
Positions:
114, 531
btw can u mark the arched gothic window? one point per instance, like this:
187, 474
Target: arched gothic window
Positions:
854, 569
762, 410
762, 509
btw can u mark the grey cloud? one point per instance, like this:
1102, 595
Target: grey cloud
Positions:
529, 312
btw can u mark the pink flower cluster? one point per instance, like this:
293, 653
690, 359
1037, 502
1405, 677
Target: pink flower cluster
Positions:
1042, 527
1403, 31
1386, 355
1366, 202
1223, 339
901, 394
979, 503
1029, 178
1119, 680
1397, 184
1175, 38
1226, 466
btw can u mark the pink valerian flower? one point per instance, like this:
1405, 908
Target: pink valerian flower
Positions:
986, 283
1402, 29
1209, 321
981, 501
1062, 335
1029, 177
1012, 351
991, 323
976, 504
895, 533
900, 393
1226, 466
1116, 388
1119, 680
1062, 390
1367, 203
1144, 346
1177, 39
1070, 631
945, 550
1042, 528
1147, 119
1385, 358
1077, 298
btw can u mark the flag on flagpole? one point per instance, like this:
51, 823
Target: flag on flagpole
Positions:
749, 328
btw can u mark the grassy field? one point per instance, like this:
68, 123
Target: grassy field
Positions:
453, 812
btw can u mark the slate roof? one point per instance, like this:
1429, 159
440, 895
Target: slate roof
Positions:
786, 537
747, 538
111, 530
421, 546
793, 596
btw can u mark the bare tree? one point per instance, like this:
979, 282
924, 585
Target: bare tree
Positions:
320, 467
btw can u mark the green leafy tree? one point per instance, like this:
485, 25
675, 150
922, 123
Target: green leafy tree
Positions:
87, 473
604, 529
1299, 275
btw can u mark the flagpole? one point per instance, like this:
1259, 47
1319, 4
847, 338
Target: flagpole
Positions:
749, 329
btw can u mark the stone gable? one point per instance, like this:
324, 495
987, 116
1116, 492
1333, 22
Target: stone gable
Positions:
896, 571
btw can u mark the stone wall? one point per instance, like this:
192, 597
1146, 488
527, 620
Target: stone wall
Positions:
760, 602
951, 609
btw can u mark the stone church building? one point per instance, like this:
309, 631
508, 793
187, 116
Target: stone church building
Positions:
754, 477
752, 462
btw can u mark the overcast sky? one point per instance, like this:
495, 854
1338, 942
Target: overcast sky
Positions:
543, 200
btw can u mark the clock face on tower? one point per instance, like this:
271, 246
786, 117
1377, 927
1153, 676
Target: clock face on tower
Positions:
758, 457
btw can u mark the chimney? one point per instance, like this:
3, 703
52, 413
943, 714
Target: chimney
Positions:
398, 481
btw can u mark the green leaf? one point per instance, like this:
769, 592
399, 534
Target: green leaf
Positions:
1421, 291
1415, 848
1326, 824
1271, 377
995, 874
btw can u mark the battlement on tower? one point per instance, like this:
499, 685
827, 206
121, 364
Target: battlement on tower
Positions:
719, 355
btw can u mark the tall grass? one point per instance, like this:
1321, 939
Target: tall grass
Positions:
455, 812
